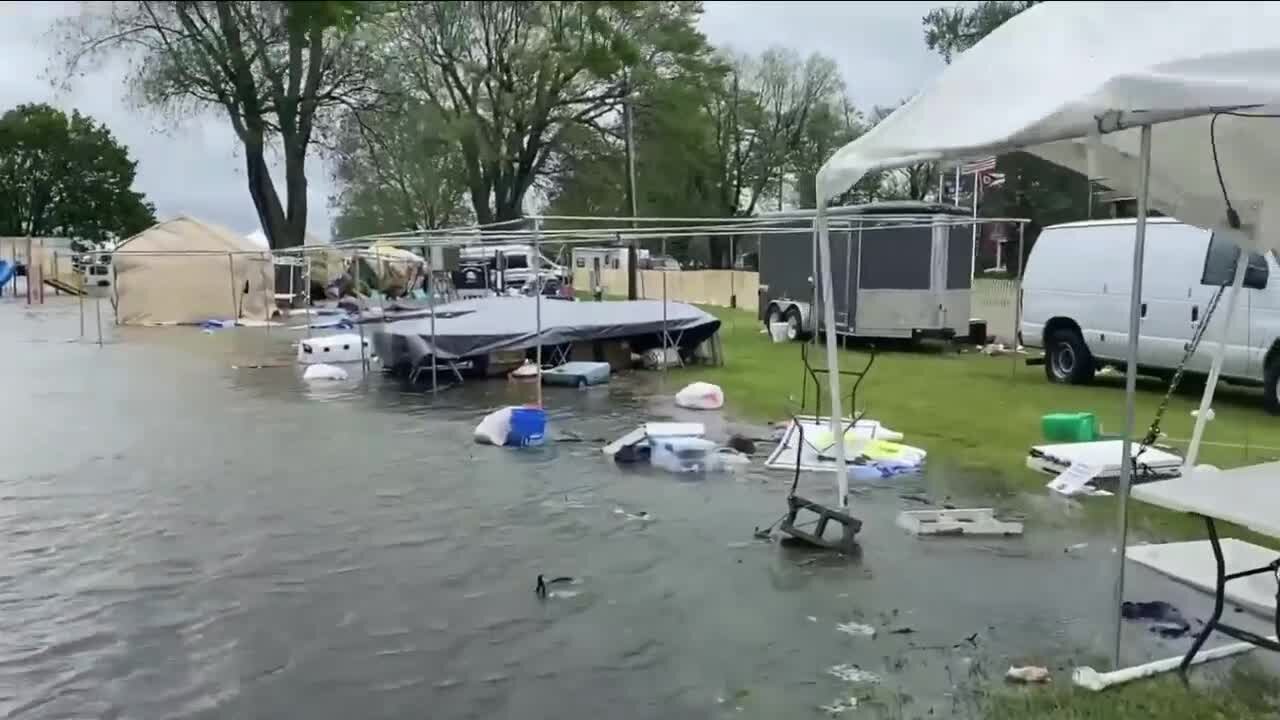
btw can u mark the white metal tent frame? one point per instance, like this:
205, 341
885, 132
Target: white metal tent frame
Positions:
1116, 89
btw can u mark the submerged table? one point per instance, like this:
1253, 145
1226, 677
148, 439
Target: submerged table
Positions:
1248, 496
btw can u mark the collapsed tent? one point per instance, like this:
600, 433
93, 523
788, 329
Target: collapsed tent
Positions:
394, 271
187, 271
469, 328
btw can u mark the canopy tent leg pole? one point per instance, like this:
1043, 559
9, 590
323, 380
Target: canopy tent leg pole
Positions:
431, 307
1211, 385
306, 286
537, 308
1017, 302
833, 358
1131, 384
665, 337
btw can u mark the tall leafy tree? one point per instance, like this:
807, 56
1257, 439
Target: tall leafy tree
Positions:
66, 176
512, 78
277, 70
397, 171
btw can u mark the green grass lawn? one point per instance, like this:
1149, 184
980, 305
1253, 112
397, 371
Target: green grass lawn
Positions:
976, 411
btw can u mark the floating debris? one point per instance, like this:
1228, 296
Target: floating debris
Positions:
853, 674
856, 629
839, 706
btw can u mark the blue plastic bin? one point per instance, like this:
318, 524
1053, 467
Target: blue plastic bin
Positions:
528, 427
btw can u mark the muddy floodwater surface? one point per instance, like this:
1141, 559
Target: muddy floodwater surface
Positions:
185, 535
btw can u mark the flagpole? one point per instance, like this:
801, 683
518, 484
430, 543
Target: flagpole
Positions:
977, 188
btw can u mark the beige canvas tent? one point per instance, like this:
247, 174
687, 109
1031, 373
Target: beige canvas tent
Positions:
396, 270
187, 271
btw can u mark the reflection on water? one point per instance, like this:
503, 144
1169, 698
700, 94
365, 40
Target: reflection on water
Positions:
187, 539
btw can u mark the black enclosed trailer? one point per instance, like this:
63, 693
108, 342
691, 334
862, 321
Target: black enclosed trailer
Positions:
900, 270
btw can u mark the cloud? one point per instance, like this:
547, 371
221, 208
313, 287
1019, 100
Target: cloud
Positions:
879, 47
193, 166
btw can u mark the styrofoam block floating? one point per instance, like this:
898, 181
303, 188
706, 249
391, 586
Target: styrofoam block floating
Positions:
972, 521
332, 349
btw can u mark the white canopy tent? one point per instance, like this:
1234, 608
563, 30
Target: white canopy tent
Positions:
1155, 97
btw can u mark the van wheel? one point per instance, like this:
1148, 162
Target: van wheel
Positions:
1068, 359
1271, 387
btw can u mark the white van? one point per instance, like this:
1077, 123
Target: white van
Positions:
1075, 302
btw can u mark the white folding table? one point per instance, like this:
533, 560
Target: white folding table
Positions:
1249, 497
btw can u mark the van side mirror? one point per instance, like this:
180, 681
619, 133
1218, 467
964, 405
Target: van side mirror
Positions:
1220, 265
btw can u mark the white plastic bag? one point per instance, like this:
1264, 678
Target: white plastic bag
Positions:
701, 396
321, 371
494, 428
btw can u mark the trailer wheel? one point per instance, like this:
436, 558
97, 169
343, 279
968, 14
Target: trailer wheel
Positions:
795, 324
774, 315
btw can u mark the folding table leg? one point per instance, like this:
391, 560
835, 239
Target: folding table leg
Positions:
1218, 598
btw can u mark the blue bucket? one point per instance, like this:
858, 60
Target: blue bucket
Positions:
528, 427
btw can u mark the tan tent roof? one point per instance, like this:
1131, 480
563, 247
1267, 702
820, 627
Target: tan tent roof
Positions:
186, 233
187, 271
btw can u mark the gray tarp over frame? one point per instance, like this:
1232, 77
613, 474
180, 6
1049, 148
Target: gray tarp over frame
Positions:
481, 326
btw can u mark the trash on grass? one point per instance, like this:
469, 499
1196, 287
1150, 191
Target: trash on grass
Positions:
1027, 674
1090, 679
1208, 415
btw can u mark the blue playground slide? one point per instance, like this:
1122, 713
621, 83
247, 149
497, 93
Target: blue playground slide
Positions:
6, 272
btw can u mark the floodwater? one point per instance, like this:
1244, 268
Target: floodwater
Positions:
185, 535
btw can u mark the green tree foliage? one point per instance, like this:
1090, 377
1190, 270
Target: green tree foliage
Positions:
396, 171
950, 31
512, 80
1034, 188
718, 142
278, 70
66, 176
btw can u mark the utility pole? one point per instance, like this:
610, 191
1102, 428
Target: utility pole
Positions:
633, 254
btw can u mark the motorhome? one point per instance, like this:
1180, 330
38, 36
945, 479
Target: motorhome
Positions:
1075, 302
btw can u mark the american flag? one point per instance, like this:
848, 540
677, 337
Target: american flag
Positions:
986, 164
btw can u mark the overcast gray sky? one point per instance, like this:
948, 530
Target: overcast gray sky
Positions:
192, 166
